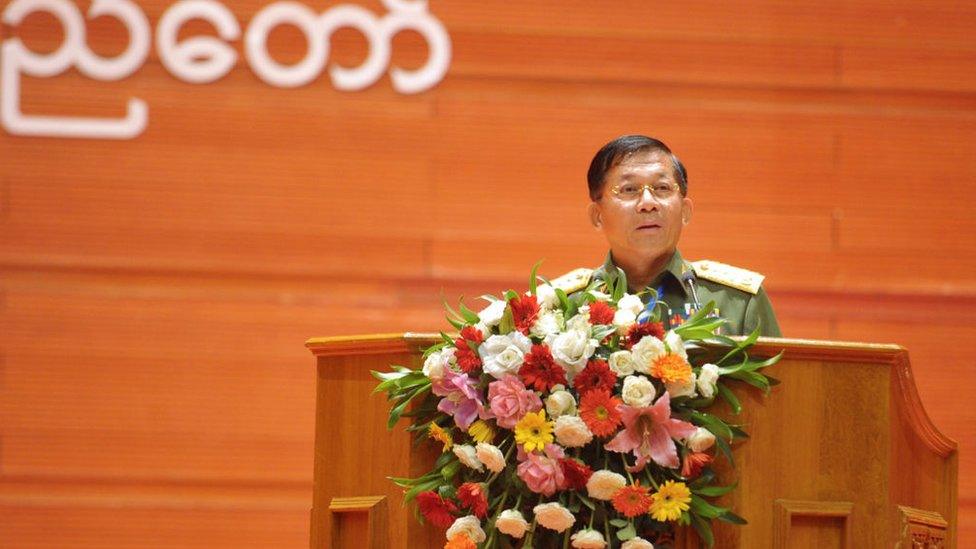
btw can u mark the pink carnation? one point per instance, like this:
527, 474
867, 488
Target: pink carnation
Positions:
543, 474
510, 400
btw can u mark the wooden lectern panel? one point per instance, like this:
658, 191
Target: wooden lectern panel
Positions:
841, 453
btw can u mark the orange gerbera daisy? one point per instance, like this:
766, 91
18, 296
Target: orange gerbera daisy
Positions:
599, 411
671, 368
460, 541
632, 500
438, 433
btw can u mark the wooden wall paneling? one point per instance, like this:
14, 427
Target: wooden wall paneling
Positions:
920, 68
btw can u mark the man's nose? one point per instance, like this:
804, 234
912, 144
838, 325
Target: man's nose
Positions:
646, 202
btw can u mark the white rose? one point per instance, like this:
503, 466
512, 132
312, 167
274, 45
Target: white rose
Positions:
512, 522
468, 456
588, 539
603, 484
637, 543
623, 319
469, 525
682, 388
504, 354
572, 432
547, 323
702, 439
676, 344
571, 349
708, 380
491, 456
492, 314
436, 362
560, 402
622, 363
546, 296
638, 391
632, 303
553, 516
645, 352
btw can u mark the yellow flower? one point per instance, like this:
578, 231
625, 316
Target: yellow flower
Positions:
670, 500
438, 433
481, 431
533, 431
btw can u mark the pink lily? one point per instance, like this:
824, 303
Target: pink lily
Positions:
650, 432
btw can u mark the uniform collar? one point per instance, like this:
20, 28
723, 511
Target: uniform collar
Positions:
676, 267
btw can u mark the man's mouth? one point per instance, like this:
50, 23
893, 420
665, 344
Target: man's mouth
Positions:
648, 226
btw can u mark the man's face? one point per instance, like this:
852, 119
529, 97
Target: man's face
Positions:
644, 228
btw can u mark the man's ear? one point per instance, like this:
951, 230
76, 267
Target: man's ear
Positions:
687, 208
595, 215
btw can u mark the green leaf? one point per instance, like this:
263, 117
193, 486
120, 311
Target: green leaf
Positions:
619, 523
470, 316
704, 530
422, 487
715, 491
532, 277
507, 323
729, 397
729, 516
626, 533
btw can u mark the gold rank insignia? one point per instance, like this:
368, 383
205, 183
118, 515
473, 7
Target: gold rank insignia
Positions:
741, 279
574, 280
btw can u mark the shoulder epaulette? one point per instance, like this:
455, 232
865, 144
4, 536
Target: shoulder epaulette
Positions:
574, 280
742, 279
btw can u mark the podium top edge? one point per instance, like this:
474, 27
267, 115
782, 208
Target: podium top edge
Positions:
796, 348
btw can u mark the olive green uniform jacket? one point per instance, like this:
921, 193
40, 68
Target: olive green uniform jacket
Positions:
743, 309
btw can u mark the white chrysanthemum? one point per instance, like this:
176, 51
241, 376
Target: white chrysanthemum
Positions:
588, 539
645, 352
469, 525
638, 391
548, 323
553, 516
708, 380
511, 522
502, 355
572, 432
491, 456
468, 456
603, 484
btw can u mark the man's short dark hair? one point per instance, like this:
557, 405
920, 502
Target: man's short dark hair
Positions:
616, 151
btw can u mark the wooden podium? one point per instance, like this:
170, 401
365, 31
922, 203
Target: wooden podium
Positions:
841, 454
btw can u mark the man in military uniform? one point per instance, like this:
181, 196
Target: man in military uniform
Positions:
639, 193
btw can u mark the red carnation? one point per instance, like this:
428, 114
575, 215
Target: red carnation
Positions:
472, 334
525, 309
467, 359
540, 371
575, 473
694, 463
601, 313
596, 375
638, 331
472, 495
437, 510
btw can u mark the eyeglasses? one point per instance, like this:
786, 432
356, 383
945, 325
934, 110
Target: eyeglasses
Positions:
628, 192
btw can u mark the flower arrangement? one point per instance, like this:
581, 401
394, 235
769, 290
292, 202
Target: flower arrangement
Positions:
573, 419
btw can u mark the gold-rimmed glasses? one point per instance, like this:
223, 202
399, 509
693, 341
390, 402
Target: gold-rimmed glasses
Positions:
628, 192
